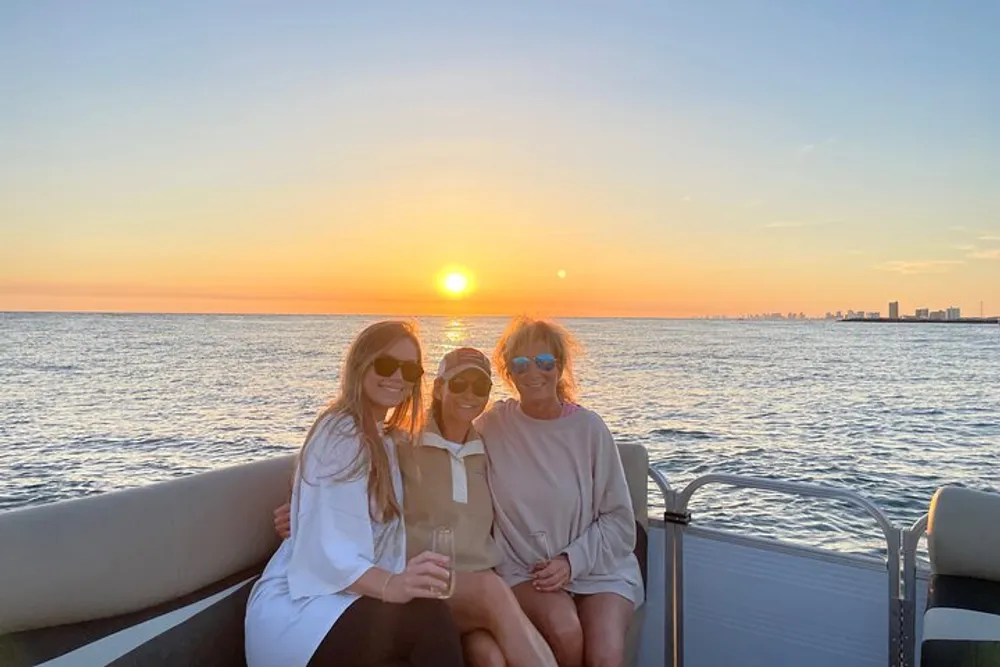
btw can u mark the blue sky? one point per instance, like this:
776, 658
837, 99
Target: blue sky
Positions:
692, 157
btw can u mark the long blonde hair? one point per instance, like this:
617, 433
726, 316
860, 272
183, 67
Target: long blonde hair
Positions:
523, 330
403, 424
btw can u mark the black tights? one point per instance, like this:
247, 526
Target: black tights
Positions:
372, 633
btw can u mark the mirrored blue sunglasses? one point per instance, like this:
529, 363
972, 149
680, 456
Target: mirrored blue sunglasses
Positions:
545, 362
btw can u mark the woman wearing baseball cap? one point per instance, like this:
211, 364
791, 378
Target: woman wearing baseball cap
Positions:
446, 484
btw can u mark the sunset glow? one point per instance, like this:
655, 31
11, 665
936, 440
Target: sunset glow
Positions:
607, 159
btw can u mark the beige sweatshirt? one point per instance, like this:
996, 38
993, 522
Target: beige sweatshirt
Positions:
562, 477
446, 484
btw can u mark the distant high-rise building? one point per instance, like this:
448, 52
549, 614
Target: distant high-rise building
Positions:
938, 315
923, 313
954, 313
893, 310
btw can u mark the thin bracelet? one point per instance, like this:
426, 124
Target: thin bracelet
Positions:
384, 584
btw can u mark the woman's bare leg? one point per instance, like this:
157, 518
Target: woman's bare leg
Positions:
555, 615
483, 601
481, 650
605, 618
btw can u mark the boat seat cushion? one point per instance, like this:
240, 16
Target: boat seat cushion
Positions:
147, 573
202, 628
962, 535
635, 461
112, 554
962, 620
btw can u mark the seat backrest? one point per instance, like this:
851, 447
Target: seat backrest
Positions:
116, 553
112, 554
962, 621
635, 460
963, 538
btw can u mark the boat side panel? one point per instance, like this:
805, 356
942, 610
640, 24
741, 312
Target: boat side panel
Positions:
754, 605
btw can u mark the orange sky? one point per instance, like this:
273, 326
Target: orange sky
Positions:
284, 167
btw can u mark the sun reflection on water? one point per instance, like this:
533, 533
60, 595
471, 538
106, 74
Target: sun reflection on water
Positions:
456, 332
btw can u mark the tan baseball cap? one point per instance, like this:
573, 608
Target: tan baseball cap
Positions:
462, 359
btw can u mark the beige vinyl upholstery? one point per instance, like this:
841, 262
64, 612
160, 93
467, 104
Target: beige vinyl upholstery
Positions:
117, 553
111, 554
963, 533
635, 460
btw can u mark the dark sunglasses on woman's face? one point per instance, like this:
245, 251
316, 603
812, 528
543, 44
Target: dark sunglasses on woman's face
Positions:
480, 386
386, 366
545, 362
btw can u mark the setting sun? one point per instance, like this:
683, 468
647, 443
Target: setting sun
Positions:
455, 284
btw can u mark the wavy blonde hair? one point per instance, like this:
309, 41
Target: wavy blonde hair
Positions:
403, 423
524, 330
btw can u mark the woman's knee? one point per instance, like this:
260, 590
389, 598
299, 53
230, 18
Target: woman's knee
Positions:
562, 630
488, 602
494, 588
482, 650
604, 652
497, 598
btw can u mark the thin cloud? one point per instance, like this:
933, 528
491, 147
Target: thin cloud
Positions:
912, 267
990, 238
965, 248
986, 254
805, 150
686, 198
957, 228
793, 224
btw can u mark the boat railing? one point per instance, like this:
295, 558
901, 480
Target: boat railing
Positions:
910, 543
677, 516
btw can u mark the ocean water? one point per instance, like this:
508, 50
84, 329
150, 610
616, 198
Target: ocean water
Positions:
93, 403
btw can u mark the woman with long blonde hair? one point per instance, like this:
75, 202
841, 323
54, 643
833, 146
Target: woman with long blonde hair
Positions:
340, 591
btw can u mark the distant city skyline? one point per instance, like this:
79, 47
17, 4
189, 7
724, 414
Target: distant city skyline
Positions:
894, 311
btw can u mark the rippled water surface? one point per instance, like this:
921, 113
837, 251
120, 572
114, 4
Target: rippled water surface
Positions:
94, 403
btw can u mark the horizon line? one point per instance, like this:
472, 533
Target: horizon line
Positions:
750, 316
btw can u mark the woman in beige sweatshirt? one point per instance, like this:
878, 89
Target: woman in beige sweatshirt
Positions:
563, 516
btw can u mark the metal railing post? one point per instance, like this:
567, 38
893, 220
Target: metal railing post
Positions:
908, 637
669, 578
676, 519
896, 613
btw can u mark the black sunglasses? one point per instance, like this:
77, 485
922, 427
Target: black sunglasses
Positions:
386, 366
480, 386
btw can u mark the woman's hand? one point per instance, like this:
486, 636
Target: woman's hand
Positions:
553, 575
283, 521
426, 576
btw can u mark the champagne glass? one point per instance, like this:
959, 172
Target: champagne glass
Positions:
443, 542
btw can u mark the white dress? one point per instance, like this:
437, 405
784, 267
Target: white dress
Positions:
302, 591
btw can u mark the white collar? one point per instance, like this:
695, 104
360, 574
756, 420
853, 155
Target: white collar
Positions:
471, 447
